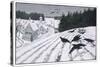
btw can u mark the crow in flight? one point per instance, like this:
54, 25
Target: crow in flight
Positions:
89, 40
64, 40
76, 38
76, 47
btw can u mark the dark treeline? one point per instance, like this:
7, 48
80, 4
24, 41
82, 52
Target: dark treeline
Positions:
24, 15
75, 20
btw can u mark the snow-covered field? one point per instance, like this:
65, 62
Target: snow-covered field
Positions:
49, 47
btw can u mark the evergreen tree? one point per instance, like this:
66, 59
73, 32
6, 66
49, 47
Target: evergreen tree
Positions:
75, 20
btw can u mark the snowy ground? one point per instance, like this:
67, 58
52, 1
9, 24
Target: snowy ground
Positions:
48, 48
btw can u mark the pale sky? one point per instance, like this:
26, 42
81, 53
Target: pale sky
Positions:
49, 10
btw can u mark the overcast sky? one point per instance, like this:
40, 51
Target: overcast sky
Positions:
49, 10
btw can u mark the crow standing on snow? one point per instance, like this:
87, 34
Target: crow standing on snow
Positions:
64, 40
76, 38
89, 40
76, 47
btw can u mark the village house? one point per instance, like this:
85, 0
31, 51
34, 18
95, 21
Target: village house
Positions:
30, 31
36, 28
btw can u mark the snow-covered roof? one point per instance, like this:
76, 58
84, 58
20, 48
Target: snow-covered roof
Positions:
29, 25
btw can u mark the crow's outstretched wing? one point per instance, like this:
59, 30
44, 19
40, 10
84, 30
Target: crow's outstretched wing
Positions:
78, 46
89, 40
64, 40
76, 38
72, 49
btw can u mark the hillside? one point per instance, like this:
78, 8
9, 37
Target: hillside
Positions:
50, 48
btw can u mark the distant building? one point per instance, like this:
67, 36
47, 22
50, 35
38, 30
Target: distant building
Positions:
53, 24
36, 28
30, 32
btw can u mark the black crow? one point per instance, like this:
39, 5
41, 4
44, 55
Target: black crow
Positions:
76, 38
76, 46
89, 40
64, 40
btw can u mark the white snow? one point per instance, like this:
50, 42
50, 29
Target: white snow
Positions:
47, 47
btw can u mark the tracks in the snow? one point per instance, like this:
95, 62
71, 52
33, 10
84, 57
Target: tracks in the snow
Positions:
44, 49
36, 49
